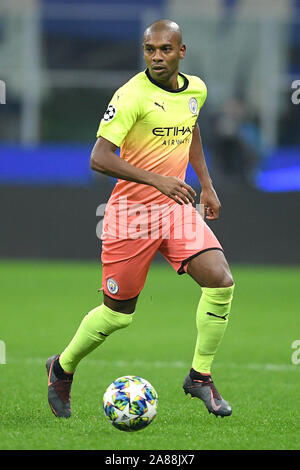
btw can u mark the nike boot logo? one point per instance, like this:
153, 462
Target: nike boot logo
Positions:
213, 403
49, 376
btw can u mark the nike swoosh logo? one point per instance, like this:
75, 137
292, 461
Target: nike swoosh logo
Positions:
214, 406
50, 371
53, 409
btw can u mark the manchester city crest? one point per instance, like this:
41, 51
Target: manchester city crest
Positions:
193, 105
112, 285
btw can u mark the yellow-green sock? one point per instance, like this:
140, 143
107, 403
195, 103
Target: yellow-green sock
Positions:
211, 320
93, 330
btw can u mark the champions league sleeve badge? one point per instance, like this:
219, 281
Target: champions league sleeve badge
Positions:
193, 105
109, 113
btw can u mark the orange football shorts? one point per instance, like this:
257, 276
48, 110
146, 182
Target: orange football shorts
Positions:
134, 233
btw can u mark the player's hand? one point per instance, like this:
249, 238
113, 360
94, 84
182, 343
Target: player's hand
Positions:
175, 189
211, 203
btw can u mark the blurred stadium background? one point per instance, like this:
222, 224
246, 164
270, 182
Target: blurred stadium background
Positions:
60, 62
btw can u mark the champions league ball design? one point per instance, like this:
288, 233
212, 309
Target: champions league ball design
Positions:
130, 403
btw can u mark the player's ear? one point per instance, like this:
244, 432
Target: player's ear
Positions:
182, 51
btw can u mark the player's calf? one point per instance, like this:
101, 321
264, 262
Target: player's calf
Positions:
95, 327
212, 319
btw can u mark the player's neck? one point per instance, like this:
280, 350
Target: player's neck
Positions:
171, 83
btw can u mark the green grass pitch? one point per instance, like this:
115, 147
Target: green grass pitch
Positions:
42, 304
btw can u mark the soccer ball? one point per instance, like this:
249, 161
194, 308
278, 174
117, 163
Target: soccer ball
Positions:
130, 403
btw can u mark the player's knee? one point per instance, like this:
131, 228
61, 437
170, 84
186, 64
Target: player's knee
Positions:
121, 306
226, 279
221, 277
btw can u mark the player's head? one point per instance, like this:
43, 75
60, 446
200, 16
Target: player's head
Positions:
163, 49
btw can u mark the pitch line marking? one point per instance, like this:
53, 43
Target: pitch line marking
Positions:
164, 364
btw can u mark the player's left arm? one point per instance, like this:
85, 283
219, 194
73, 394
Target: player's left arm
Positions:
208, 195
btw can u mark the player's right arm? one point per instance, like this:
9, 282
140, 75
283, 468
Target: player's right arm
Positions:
124, 110
104, 160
